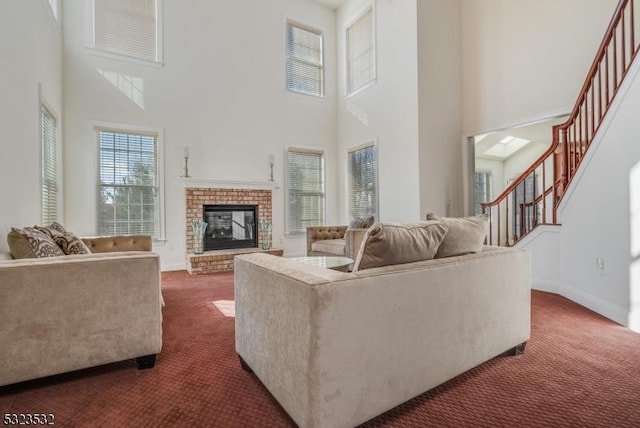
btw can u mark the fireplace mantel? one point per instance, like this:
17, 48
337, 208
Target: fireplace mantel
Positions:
206, 183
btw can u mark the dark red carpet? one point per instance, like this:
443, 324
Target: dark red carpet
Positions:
579, 369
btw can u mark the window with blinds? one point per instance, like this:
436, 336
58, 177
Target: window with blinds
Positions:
49, 167
363, 182
361, 67
127, 183
483, 189
305, 190
304, 65
127, 27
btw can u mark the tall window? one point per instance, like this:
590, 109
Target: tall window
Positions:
128, 191
305, 189
304, 65
361, 64
49, 167
363, 182
483, 189
127, 27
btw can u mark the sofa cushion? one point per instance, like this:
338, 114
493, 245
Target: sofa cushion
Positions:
466, 234
329, 246
395, 243
30, 242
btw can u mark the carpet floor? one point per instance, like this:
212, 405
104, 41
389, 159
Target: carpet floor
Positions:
578, 370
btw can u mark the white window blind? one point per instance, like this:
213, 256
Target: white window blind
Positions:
304, 65
49, 167
127, 183
483, 189
305, 189
361, 68
363, 183
127, 27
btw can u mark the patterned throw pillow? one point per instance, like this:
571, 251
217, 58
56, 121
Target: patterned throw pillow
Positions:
71, 244
361, 223
31, 242
67, 241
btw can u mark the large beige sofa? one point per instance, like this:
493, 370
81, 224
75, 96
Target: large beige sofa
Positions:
337, 349
66, 313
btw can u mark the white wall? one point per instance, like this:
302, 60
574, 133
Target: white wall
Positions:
523, 158
386, 112
31, 52
525, 60
596, 216
440, 106
221, 91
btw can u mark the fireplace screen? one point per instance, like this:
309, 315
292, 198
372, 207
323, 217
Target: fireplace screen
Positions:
230, 226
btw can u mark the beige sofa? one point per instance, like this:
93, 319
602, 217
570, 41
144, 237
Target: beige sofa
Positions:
334, 241
66, 313
337, 349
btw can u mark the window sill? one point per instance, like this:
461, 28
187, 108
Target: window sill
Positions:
125, 58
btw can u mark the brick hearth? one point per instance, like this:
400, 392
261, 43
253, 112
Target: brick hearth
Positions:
222, 260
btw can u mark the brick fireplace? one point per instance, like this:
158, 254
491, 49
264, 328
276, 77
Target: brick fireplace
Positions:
214, 192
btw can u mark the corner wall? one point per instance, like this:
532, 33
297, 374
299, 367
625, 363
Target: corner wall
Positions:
31, 52
440, 107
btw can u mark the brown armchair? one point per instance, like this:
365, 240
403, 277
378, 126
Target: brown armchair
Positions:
337, 241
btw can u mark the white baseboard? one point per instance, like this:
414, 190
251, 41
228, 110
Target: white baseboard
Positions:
596, 304
545, 285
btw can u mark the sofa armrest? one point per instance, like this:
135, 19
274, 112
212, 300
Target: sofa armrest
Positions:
82, 311
353, 240
109, 244
318, 233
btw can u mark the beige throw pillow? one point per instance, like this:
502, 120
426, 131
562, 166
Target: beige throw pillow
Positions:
396, 243
31, 242
466, 234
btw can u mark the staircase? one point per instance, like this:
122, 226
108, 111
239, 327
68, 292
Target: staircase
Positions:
533, 198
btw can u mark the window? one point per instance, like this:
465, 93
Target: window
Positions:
363, 182
483, 189
127, 27
304, 66
305, 189
49, 167
128, 191
361, 67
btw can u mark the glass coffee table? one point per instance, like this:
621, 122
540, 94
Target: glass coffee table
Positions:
342, 264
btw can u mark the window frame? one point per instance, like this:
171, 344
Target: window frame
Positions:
45, 215
90, 38
132, 129
350, 190
323, 176
488, 189
297, 24
350, 91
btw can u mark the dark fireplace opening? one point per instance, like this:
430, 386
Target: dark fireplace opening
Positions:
230, 226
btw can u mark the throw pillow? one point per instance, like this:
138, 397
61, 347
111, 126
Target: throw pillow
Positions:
395, 243
30, 242
466, 234
361, 223
67, 241
71, 244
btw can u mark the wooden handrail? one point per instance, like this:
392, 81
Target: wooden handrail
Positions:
572, 138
